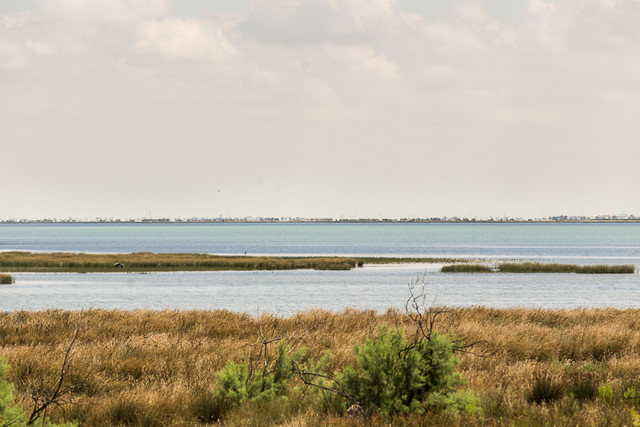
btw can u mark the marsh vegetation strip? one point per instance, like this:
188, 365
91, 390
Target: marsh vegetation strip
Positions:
540, 367
409, 260
6, 279
466, 268
147, 261
534, 267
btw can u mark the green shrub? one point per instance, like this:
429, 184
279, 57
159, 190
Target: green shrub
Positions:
395, 375
6, 279
232, 382
630, 393
240, 382
635, 417
392, 375
9, 414
463, 402
605, 393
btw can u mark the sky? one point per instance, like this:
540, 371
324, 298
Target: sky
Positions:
319, 108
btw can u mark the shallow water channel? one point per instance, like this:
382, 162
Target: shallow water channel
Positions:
287, 292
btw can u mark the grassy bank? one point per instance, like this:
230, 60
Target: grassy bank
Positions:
409, 260
147, 261
6, 279
539, 367
534, 267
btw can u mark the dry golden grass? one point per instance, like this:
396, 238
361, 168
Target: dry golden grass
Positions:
6, 279
147, 367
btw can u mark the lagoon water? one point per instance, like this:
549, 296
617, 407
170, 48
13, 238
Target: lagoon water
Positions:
550, 240
371, 287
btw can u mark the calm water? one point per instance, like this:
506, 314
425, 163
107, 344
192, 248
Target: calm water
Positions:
286, 292
619, 241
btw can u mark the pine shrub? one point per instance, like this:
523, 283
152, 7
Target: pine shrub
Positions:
9, 414
395, 375
239, 383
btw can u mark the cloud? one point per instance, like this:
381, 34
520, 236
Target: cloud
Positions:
12, 55
295, 23
326, 94
19, 20
178, 38
105, 11
40, 48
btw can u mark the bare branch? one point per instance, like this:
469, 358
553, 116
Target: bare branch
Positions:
424, 317
58, 396
303, 375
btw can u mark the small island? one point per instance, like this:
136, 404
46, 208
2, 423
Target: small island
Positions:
537, 267
68, 262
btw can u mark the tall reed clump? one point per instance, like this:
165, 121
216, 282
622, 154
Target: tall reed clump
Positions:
466, 268
607, 269
532, 267
405, 260
535, 267
6, 279
147, 261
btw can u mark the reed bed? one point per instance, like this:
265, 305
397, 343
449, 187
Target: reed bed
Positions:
6, 279
147, 261
410, 260
466, 268
536, 367
535, 267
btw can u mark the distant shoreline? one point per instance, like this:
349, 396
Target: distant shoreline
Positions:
329, 221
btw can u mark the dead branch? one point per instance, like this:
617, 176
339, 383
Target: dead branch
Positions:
58, 396
304, 377
424, 317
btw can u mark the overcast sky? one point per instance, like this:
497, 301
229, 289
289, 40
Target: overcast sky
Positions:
341, 108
